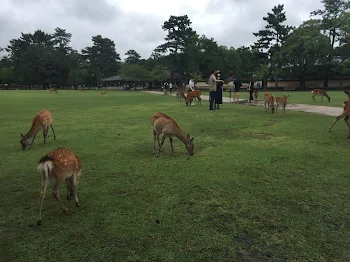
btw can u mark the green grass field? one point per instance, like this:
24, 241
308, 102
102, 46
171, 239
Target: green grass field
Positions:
260, 187
298, 97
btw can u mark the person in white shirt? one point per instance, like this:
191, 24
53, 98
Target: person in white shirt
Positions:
191, 84
170, 87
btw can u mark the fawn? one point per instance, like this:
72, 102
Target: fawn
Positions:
346, 113
270, 102
43, 120
165, 125
283, 100
64, 166
103, 93
321, 93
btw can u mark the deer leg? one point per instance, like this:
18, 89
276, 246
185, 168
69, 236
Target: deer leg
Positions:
347, 123
56, 194
313, 98
75, 189
69, 182
336, 119
322, 98
171, 145
53, 131
44, 183
33, 140
45, 132
161, 144
154, 141
276, 107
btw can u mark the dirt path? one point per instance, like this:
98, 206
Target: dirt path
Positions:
322, 110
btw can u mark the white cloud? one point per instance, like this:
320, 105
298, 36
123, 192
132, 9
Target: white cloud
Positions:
136, 24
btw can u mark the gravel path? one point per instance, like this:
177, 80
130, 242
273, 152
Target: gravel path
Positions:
322, 110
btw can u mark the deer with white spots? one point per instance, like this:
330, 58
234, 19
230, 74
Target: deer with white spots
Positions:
42, 121
62, 165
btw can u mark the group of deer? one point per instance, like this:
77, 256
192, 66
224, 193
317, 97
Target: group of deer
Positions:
64, 166
191, 95
60, 164
270, 100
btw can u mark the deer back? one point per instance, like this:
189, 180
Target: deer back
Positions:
63, 162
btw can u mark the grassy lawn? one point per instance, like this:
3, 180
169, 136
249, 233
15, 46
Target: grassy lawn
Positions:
298, 97
260, 186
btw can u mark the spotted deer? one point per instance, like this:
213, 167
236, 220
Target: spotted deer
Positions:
345, 114
52, 90
270, 102
321, 93
62, 165
167, 127
282, 100
42, 121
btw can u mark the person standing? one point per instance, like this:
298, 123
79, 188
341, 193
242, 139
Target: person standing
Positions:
170, 87
251, 89
219, 87
238, 84
212, 89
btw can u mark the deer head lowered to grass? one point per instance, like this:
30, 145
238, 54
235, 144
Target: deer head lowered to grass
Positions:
321, 93
346, 113
43, 120
167, 127
62, 165
193, 94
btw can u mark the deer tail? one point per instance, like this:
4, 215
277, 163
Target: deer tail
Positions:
45, 166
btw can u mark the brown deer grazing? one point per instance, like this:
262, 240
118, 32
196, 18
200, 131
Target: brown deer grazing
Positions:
81, 89
52, 90
167, 127
283, 100
321, 93
193, 94
64, 166
180, 95
103, 93
346, 114
270, 102
43, 120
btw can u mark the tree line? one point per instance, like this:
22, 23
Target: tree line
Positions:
317, 49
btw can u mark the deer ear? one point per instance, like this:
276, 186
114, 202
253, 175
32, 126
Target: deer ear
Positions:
188, 136
192, 138
22, 135
347, 92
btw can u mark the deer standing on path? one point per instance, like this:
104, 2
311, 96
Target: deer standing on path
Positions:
167, 127
283, 100
43, 120
321, 93
64, 166
346, 114
270, 102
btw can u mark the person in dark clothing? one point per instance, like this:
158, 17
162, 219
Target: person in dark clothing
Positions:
238, 84
251, 89
218, 92
212, 89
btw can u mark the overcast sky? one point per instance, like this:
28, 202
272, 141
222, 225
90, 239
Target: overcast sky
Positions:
136, 24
